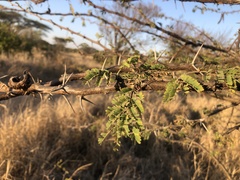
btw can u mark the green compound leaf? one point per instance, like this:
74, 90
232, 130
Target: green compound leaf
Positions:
229, 79
192, 82
97, 74
102, 137
126, 129
134, 112
120, 101
232, 77
90, 74
103, 74
125, 117
220, 76
125, 90
131, 61
170, 91
137, 135
139, 105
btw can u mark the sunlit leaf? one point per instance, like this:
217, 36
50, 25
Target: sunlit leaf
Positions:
137, 135
72, 9
170, 91
192, 82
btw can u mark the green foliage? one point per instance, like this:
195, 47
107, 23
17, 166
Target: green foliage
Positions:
225, 77
18, 33
21, 22
9, 40
190, 81
125, 113
141, 70
233, 77
170, 91
86, 49
90, 74
98, 75
101, 56
185, 82
125, 117
229, 77
220, 76
131, 61
142, 66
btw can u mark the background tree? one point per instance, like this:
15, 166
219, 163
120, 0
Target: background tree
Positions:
60, 43
20, 33
122, 35
86, 49
9, 40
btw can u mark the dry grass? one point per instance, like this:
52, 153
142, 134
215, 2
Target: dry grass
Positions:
214, 152
49, 141
45, 68
39, 141
45, 139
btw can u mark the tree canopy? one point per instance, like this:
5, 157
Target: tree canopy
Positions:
17, 31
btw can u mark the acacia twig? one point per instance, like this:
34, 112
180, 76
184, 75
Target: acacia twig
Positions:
155, 26
61, 27
194, 59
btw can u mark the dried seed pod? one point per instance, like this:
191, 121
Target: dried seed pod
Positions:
20, 82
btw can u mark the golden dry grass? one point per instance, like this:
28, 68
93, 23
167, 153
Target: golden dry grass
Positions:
45, 139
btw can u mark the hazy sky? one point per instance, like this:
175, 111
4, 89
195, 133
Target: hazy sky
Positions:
207, 21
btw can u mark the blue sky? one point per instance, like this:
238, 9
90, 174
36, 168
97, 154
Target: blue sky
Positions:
207, 21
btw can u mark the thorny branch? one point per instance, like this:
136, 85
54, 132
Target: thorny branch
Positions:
149, 24
58, 25
159, 28
39, 14
24, 85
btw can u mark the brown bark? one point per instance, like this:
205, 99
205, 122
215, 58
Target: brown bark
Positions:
68, 90
22, 85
